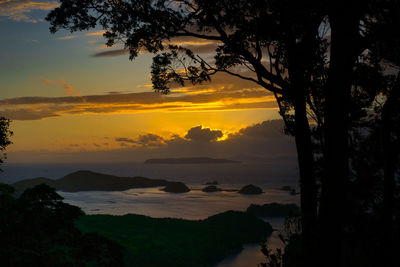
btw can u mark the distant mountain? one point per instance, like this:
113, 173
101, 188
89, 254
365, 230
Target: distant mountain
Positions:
91, 181
201, 160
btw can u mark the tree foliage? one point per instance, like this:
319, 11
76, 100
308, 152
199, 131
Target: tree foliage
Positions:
5, 135
37, 228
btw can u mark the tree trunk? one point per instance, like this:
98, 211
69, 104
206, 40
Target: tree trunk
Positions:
389, 159
301, 58
308, 197
333, 212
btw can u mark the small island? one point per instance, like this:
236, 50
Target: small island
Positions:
250, 190
176, 187
211, 188
200, 160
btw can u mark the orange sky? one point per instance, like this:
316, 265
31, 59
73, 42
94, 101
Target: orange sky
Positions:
71, 93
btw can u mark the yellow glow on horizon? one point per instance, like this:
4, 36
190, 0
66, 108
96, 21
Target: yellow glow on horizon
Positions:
61, 133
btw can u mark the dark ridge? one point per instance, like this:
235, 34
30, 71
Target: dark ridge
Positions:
92, 181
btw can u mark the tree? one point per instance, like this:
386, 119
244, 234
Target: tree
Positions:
385, 52
298, 51
5, 135
38, 229
280, 57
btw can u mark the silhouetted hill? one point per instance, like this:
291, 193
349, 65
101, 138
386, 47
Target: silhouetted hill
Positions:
29, 183
201, 160
177, 242
91, 181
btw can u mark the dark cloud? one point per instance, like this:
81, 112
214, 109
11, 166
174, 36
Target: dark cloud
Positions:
27, 114
262, 142
266, 129
200, 134
123, 139
150, 140
256, 142
112, 53
145, 140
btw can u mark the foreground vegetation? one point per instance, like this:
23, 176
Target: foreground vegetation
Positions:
39, 229
177, 242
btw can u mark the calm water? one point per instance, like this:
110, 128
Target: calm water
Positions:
192, 205
155, 203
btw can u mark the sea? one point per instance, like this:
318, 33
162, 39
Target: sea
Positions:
194, 205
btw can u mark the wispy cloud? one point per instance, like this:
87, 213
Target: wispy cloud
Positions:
224, 93
198, 46
48, 81
67, 88
69, 37
31, 108
111, 53
19, 10
96, 33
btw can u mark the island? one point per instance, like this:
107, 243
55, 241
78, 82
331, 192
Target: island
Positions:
176, 187
250, 190
200, 160
92, 181
211, 188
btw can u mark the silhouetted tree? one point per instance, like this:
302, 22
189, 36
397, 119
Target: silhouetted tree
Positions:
319, 59
281, 57
37, 229
5, 135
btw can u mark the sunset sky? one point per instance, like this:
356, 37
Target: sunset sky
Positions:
68, 94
